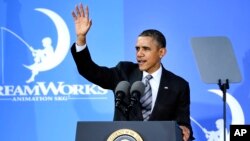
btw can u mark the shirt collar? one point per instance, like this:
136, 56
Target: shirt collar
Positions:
156, 75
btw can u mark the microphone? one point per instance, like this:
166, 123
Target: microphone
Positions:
121, 90
136, 91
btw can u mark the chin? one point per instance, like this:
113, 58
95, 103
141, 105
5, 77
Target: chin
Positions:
142, 69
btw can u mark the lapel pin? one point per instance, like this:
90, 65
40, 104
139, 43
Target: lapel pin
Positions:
166, 87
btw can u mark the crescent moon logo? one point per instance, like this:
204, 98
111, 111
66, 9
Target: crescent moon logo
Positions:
49, 58
237, 117
235, 108
62, 43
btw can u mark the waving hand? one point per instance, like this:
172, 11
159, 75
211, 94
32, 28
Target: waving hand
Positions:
82, 23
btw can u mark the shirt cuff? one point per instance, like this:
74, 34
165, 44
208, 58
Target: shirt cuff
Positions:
80, 48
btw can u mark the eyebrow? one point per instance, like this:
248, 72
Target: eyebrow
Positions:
144, 47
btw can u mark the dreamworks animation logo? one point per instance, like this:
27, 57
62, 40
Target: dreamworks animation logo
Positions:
46, 59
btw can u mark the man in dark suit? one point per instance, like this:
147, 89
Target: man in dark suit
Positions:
170, 93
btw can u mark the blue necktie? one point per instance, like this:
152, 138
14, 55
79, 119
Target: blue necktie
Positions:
146, 99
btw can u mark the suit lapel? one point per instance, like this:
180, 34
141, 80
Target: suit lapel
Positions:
162, 91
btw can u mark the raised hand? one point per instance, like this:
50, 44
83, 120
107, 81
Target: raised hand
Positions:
82, 23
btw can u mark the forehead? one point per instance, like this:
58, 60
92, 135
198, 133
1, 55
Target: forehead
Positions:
146, 41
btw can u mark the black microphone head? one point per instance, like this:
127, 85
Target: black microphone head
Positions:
137, 88
121, 94
122, 87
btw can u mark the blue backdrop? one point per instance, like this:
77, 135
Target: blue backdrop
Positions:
42, 97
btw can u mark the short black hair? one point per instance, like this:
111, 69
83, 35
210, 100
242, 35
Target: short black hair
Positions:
155, 34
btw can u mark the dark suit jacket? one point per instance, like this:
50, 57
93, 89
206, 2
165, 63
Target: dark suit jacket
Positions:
173, 99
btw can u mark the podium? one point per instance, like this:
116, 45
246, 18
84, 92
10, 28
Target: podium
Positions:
128, 131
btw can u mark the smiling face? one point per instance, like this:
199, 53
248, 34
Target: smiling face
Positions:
149, 54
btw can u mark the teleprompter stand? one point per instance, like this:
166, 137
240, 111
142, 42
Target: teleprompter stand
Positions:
217, 64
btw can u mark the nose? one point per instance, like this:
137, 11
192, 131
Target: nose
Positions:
139, 53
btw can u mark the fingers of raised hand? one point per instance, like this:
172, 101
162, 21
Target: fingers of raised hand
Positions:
74, 15
80, 12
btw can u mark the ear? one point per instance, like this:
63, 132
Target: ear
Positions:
162, 52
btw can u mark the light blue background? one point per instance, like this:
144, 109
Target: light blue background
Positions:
116, 24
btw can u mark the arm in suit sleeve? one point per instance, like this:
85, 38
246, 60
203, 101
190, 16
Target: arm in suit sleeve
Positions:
183, 110
102, 76
99, 75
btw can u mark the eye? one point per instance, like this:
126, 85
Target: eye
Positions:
137, 48
146, 48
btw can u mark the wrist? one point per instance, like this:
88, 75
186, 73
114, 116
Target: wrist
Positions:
81, 40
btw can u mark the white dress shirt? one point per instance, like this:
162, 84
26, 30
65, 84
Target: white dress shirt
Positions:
154, 82
80, 48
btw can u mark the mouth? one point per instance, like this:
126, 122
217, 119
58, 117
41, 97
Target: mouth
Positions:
141, 62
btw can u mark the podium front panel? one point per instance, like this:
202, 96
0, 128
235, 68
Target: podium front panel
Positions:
148, 131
